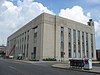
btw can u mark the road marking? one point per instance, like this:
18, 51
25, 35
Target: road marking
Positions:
19, 62
12, 67
18, 71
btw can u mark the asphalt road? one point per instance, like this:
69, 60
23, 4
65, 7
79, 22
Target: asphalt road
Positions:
8, 67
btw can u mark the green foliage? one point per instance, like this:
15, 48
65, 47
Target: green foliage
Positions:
49, 59
98, 59
33, 60
2, 53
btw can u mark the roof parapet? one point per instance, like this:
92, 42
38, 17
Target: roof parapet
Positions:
91, 22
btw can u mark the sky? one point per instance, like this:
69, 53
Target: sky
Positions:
16, 13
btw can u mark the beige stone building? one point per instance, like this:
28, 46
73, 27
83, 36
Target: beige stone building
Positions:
50, 36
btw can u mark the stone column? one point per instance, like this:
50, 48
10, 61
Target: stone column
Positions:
72, 43
19, 44
94, 47
58, 38
89, 46
30, 48
85, 44
81, 51
16, 47
26, 45
66, 43
39, 44
76, 44
23, 44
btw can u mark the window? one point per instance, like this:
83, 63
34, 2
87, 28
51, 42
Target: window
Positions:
27, 51
74, 42
62, 41
35, 34
27, 38
34, 53
62, 46
69, 42
79, 54
35, 37
92, 45
83, 49
69, 34
24, 49
7, 43
62, 34
35, 29
87, 44
24, 43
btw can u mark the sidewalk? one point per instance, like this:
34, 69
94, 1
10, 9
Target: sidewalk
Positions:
95, 62
67, 66
25, 61
31, 62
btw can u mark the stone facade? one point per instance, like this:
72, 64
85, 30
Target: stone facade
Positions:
49, 36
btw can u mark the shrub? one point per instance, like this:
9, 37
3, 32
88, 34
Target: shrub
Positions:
98, 59
34, 60
49, 59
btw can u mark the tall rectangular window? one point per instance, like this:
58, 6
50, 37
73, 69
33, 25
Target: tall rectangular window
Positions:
87, 45
24, 43
35, 34
74, 42
79, 51
34, 53
62, 41
35, 37
27, 38
24, 49
92, 45
69, 42
27, 51
27, 43
83, 49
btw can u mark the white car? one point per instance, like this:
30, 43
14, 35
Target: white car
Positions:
11, 57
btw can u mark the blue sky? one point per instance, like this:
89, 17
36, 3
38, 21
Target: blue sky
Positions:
92, 6
22, 11
88, 6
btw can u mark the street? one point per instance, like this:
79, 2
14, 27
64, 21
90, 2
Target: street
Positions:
8, 67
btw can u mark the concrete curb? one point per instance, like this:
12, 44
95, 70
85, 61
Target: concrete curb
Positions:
23, 61
54, 66
31, 62
95, 62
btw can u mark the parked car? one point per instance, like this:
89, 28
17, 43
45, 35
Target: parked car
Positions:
20, 56
11, 57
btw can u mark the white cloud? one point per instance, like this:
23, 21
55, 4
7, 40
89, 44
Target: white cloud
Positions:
97, 27
13, 17
76, 13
